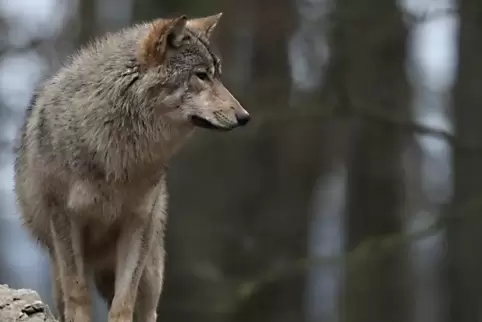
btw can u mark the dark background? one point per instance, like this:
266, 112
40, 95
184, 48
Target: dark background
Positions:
355, 193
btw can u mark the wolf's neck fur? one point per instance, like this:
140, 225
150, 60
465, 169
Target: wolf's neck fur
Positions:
134, 147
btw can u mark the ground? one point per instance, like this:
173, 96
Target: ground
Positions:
22, 306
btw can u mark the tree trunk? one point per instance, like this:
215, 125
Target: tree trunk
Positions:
465, 233
369, 52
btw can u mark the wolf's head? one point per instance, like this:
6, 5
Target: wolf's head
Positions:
184, 74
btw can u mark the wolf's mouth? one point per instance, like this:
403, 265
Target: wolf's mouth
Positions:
201, 122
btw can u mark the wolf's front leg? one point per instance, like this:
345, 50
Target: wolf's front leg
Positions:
132, 251
57, 288
150, 286
67, 240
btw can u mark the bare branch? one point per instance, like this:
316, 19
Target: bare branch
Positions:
367, 114
429, 15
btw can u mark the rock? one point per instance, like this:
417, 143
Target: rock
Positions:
23, 306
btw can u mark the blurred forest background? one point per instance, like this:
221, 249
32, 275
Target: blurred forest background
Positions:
355, 193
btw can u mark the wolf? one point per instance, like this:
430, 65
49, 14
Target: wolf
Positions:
92, 154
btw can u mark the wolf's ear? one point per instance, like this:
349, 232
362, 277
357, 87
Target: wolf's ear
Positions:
176, 31
206, 24
164, 34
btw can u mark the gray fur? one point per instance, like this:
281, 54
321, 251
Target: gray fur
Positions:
92, 154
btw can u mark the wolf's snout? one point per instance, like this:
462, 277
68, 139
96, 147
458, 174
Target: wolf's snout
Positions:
243, 117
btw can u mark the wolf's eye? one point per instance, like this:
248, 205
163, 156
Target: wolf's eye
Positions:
202, 76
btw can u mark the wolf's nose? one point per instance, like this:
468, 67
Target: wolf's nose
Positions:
243, 118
